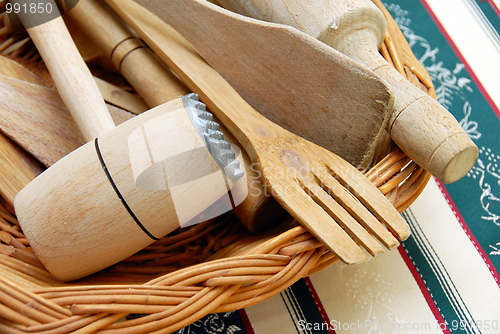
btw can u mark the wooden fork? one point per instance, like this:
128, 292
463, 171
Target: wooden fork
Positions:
323, 192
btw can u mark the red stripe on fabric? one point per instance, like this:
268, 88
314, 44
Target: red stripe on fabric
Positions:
246, 321
494, 6
469, 234
459, 217
318, 303
423, 289
461, 58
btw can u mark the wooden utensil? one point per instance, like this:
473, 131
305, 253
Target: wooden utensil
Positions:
421, 127
292, 79
92, 56
125, 188
156, 83
35, 117
120, 97
322, 191
24, 112
122, 47
17, 169
12, 69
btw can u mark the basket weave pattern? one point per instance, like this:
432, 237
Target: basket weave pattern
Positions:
216, 266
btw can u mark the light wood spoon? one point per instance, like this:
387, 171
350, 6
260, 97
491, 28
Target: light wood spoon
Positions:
322, 191
421, 127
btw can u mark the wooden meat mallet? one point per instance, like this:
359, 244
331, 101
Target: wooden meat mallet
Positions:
152, 79
128, 186
421, 127
156, 84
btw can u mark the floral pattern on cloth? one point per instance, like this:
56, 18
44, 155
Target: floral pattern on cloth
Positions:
477, 196
217, 323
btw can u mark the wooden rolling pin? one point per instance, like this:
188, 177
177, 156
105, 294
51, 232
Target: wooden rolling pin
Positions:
421, 127
128, 186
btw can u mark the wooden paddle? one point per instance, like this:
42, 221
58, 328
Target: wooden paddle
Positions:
421, 127
289, 77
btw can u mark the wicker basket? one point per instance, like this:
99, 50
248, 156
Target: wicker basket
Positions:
216, 266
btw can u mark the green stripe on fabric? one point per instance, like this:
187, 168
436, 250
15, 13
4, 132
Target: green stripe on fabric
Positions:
477, 195
456, 316
490, 13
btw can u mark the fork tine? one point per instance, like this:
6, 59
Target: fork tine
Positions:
334, 209
366, 193
314, 218
355, 208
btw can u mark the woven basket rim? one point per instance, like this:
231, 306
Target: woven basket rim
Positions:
238, 270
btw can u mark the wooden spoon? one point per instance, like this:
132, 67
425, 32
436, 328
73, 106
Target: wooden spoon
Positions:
421, 127
322, 191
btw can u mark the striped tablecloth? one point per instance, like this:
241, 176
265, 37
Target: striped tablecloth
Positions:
445, 277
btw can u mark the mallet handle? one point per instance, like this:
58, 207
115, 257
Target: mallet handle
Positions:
71, 75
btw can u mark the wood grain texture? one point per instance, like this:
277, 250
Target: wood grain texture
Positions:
298, 173
120, 97
117, 194
36, 118
12, 69
121, 45
70, 74
420, 126
156, 83
289, 77
73, 217
17, 169
90, 53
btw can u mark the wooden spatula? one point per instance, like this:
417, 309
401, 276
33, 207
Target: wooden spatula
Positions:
421, 127
300, 84
322, 191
